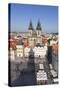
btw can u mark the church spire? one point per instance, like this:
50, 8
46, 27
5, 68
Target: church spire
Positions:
38, 26
30, 26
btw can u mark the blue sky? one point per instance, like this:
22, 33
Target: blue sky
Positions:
21, 14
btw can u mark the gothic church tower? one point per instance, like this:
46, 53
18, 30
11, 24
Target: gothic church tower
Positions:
39, 33
30, 28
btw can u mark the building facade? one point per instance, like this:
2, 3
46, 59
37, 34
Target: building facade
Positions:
19, 49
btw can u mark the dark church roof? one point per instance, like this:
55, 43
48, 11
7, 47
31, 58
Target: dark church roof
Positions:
30, 26
38, 26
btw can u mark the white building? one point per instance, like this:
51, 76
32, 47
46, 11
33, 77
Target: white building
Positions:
12, 54
51, 67
26, 51
19, 50
41, 66
55, 80
41, 77
54, 73
40, 51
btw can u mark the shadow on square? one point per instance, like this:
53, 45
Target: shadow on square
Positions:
27, 76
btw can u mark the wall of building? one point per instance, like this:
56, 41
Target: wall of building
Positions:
31, 42
19, 50
11, 54
38, 33
26, 51
40, 51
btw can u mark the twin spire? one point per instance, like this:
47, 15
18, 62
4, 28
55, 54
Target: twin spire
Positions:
37, 28
30, 26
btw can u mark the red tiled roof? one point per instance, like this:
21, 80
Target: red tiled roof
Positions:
12, 43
